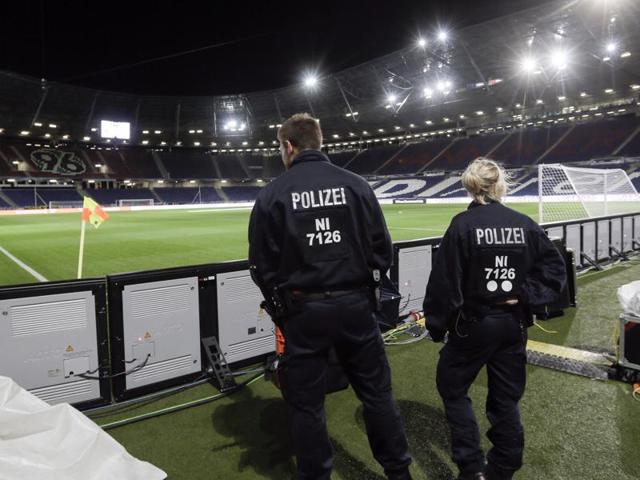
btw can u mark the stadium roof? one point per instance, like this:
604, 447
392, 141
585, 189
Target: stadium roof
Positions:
548, 58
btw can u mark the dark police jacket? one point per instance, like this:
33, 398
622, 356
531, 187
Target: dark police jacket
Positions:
315, 228
491, 253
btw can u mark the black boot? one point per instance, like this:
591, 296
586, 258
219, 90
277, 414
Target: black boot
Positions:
493, 472
472, 476
399, 475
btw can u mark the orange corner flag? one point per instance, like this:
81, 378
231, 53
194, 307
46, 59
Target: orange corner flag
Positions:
93, 213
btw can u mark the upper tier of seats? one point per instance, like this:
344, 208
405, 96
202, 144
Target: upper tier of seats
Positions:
525, 146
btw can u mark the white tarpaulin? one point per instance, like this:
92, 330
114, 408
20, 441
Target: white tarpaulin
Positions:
629, 297
41, 442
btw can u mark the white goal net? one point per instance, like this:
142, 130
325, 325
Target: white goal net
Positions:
569, 193
53, 204
135, 202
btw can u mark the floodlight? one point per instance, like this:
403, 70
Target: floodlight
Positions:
37, 124
53, 125
422, 42
392, 97
24, 133
562, 98
145, 142
86, 139
611, 47
443, 36
428, 93
310, 81
625, 54
528, 64
559, 59
65, 137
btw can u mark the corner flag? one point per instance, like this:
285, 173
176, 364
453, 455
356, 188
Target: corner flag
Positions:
93, 213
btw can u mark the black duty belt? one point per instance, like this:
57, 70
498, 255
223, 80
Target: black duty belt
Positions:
301, 295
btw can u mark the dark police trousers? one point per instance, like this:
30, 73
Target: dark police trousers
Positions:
347, 324
498, 341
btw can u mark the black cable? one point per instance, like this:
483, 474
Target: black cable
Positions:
87, 374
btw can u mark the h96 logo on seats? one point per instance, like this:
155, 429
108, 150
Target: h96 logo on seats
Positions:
57, 161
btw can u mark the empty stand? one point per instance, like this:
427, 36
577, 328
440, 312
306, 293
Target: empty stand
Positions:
188, 164
594, 139
414, 157
230, 167
241, 194
368, 161
463, 151
524, 147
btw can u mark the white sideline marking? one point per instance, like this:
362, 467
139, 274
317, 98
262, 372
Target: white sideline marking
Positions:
416, 228
206, 210
24, 266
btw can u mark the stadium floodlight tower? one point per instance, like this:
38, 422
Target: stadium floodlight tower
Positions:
232, 116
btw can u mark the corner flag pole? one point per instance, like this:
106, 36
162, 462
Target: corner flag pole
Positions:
80, 257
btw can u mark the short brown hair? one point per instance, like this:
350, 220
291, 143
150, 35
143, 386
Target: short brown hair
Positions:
302, 131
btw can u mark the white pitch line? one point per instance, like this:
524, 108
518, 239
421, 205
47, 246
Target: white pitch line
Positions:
206, 210
417, 228
24, 266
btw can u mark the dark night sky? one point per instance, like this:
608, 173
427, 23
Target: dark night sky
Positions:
273, 42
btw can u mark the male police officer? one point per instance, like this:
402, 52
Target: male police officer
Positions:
318, 242
492, 266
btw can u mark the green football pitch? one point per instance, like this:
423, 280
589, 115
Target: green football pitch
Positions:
576, 428
147, 240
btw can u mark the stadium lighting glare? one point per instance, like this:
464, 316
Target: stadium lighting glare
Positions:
518, 105
462, 117
98, 165
65, 137
392, 97
351, 134
364, 132
223, 181
428, 122
163, 143
428, 93
24, 133
635, 86
479, 113
559, 59
178, 143
160, 181
381, 130
608, 91
91, 181
625, 54
53, 125
310, 81
86, 139
11, 180
16, 162
396, 127
196, 144
258, 180
192, 181
611, 47
606, 59
562, 98
528, 64
583, 94
539, 101
443, 35
94, 129
499, 109
411, 125
1, 130
157, 132
145, 132
198, 131
192, 131
37, 124
422, 42
145, 142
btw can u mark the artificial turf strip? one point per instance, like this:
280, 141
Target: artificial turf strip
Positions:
576, 428
146, 240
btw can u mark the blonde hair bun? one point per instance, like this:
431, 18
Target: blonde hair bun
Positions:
485, 180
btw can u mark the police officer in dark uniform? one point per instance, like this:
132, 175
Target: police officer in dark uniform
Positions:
318, 246
492, 267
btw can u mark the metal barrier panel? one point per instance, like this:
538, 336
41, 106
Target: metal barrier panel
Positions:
615, 226
161, 330
50, 334
555, 232
603, 237
573, 241
588, 245
627, 234
245, 330
414, 268
636, 228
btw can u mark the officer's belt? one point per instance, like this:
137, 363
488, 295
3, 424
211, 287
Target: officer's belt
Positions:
302, 295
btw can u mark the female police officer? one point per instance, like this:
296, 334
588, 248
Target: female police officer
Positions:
492, 267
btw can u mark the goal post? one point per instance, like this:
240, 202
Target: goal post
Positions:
136, 202
571, 193
56, 204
